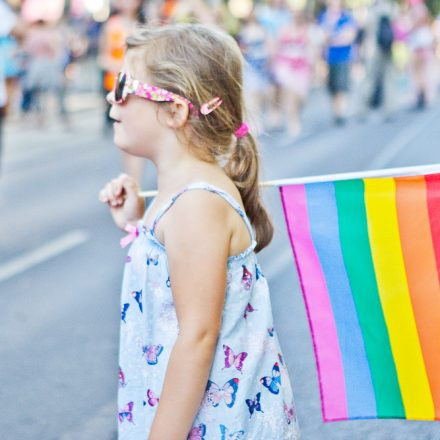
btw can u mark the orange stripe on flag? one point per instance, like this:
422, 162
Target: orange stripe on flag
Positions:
420, 263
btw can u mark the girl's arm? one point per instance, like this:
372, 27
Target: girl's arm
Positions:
197, 237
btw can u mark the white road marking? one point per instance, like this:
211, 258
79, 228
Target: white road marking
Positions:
43, 253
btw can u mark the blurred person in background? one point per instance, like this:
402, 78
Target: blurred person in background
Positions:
379, 41
186, 11
12, 70
273, 15
122, 22
402, 24
401, 53
436, 27
340, 32
44, 76
292, 68
360, 57
159, 11
421, 42
9, 25
257, 83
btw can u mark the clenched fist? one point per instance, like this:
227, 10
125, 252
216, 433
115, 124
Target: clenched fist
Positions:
121, 195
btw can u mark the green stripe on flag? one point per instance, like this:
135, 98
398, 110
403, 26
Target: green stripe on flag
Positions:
358, 260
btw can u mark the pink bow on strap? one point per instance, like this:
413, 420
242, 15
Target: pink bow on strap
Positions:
133, 232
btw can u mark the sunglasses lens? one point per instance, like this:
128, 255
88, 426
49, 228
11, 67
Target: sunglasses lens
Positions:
122, 78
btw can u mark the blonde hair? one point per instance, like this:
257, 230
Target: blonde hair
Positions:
200, 63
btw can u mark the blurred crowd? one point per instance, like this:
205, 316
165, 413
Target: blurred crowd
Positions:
370, 55
361, 55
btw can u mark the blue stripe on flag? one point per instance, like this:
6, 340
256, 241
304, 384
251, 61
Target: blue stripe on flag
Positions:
323, 217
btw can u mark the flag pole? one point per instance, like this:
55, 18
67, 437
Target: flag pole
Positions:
385, 172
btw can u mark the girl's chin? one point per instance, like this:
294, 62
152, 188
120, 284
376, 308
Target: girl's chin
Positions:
120, 143
120, 140
126, 147
122, 146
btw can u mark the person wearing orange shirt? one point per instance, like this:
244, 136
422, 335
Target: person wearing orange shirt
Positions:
122, 22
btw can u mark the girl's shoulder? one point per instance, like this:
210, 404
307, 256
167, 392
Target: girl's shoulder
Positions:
163, 203
200, 209
198, 201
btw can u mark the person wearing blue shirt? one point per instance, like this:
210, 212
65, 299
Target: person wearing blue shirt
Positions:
339, 30
8, 25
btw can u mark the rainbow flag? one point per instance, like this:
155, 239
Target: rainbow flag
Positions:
368, 256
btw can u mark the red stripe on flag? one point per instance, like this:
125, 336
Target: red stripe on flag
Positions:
433, 197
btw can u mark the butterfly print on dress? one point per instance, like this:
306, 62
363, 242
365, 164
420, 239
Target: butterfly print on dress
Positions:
214, 394
151, 353
126, 413
152, 399
281, 359
124, 311
248, 309
258, 273
289, 412
272, 383
197, 432
232, 360
153, 260
254, 404
122, 382
137, 295
246, 279
227, 435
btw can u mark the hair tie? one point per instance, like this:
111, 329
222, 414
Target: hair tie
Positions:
241, 131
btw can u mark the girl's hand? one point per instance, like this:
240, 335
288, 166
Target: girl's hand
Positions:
121, 195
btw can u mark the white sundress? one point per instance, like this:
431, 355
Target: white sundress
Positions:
248, 394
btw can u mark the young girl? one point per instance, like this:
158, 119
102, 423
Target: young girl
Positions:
199, 356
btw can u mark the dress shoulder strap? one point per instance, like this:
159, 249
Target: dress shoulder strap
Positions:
208, 187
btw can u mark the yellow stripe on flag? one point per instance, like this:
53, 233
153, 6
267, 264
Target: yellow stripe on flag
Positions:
380, 201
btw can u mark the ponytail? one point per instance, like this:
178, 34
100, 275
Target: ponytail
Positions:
243, 169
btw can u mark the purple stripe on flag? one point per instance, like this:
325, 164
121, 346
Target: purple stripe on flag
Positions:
323, 328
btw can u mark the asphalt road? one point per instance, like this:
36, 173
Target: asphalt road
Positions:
61, 268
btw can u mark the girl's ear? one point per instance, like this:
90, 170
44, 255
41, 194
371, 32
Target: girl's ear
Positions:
177, 114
